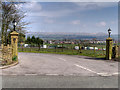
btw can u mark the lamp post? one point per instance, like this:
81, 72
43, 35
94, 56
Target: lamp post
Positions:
14, 24
109, 31
14, 41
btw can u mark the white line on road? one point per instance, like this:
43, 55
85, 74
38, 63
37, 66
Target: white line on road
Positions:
52, 74
85, 68
14, 74
107, 74
9, 74
30, 74
101, 74
62, 59
116, 73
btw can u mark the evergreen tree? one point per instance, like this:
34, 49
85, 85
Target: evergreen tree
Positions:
39, 42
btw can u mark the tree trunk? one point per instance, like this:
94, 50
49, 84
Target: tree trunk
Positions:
55, 47
6, 36
39, 47
2, 36
79, 48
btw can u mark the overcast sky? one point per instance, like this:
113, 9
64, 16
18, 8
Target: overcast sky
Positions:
72, 16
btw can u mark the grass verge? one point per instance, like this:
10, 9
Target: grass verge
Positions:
90, 53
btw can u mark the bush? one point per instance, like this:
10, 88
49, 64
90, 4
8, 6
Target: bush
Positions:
14, 58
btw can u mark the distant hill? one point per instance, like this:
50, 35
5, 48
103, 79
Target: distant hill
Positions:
60, 36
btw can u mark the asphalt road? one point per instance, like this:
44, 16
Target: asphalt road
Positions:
36, 70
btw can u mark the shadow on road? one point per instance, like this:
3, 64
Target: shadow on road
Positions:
101, 59
91, 58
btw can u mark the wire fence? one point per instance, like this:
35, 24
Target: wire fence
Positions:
95, 52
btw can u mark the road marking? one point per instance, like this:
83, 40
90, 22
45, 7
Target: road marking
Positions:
14, 74
101, 74
85, 68
115, 73
62, 59
9, 74
52, 74
104, 74
30, 74
107, 74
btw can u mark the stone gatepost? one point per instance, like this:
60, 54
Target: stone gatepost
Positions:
109, 43
14, 44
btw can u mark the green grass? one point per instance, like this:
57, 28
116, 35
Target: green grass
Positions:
90, 53
119, 58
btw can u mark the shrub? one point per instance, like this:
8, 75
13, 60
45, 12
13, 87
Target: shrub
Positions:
14, 58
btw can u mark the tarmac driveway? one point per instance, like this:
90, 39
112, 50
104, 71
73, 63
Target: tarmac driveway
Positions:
54, 64
37, 70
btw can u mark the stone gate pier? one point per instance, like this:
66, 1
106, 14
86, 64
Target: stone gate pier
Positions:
14, 44
10, 52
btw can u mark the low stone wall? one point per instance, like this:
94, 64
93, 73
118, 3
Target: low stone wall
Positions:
7, 54
0, 52
115, 52
119, 51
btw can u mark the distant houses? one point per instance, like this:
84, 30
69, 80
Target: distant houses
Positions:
74, 41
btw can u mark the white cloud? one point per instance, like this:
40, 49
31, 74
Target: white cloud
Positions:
71, 0
92, 0
36, 9
49, 21
75, 22
114, 22
51, 14
94, 5
32, 6
84, 25
101, 24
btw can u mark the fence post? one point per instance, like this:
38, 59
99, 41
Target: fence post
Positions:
62, 47
103, 50
72, 48
94, 50
80, 51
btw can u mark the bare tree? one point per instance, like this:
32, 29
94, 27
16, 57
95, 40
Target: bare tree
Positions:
10, 11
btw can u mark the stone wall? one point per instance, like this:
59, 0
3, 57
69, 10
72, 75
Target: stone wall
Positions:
115, 51
119, 51
7, 54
